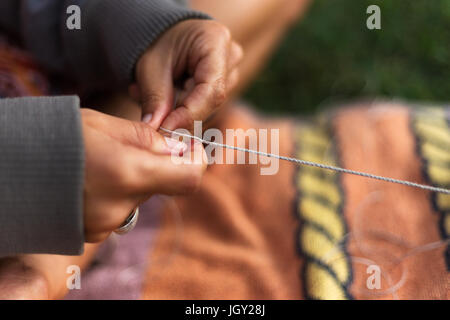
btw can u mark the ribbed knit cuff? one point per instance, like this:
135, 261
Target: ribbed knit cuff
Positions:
41, 176
115, 33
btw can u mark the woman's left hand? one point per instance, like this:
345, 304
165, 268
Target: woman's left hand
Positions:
202, 55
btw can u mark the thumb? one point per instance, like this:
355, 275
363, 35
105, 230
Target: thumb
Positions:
154, 75
175, 174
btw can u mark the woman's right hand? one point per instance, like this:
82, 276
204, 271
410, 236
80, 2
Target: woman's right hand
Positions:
126, 163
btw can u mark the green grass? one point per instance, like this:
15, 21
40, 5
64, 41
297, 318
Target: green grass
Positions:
331, 56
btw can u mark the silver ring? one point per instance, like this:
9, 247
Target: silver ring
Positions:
129, 224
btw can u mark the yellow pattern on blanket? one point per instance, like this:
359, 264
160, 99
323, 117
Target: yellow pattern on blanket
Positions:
327, 270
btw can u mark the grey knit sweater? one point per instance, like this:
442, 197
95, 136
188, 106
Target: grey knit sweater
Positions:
41, 144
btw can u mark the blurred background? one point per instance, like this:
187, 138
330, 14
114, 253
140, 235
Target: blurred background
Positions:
331, 56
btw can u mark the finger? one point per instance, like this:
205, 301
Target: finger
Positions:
137, 134
156, 87
197, 105
145, 137
183, 117
175, 175
209, 92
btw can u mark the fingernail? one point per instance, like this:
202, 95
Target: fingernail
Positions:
176, 146
147, 118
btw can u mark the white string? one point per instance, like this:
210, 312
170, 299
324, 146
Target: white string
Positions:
314, 164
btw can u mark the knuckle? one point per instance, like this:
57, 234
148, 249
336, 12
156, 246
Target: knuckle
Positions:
145, 135
219, 30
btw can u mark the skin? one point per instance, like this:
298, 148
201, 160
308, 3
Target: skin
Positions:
126, 163
258, 25
203, 58
39, 276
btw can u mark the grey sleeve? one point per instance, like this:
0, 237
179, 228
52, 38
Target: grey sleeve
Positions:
113, 34
41, 176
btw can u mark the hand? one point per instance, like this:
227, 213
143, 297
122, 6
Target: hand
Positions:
126, 163
202, 56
